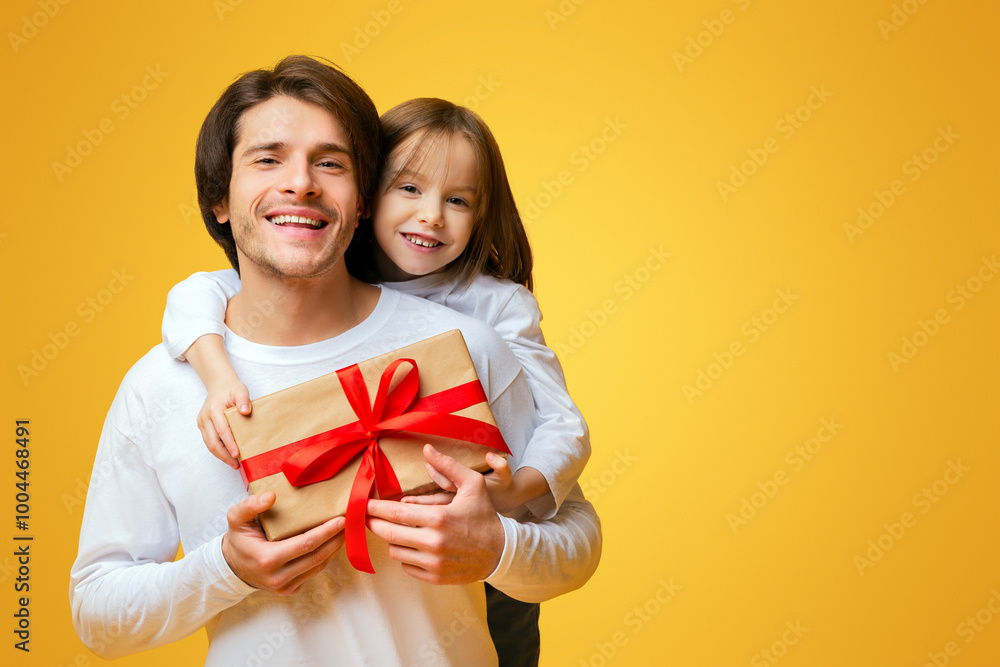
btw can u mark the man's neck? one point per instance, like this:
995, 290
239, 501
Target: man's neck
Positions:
297, 311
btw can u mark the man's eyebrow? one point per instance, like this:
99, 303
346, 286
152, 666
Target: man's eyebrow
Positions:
334, 148
268, 146
281, 145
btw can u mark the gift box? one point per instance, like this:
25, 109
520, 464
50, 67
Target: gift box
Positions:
327, 445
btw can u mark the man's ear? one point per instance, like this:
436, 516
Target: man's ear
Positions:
221, 211
361, 212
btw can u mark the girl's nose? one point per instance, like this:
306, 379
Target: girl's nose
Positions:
429, 213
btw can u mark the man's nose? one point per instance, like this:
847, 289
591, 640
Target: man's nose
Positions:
298, 179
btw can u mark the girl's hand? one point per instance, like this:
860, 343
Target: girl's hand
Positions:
507, 491
212, 420
439, 498
442, 497
500, 484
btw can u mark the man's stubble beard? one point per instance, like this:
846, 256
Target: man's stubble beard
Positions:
249, 244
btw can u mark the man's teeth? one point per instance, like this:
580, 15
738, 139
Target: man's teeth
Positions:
283, 219
424, 242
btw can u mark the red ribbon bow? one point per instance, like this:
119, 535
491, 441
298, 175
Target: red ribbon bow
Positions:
323, 455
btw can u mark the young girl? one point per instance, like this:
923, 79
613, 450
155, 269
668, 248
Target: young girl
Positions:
445, 228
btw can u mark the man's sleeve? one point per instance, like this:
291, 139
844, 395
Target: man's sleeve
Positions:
197, 306
542, 559
126, 591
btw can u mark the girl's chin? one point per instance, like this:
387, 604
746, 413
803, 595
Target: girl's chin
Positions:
422, 270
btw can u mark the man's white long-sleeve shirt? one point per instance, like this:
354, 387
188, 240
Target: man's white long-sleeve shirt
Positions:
156, 487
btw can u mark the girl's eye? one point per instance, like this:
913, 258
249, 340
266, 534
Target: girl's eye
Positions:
458, 201
412, 189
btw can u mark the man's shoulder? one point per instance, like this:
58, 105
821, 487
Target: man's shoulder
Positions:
155, 364
490, 299
416, 319
431, 318
488, 283
156, 384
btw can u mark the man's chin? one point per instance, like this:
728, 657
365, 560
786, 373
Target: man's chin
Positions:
291, 270
299, 272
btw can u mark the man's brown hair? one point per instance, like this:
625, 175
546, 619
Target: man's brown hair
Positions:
307, 80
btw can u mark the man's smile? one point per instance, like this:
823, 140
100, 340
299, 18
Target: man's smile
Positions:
296, 221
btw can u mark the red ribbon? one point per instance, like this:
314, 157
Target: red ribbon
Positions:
323, 455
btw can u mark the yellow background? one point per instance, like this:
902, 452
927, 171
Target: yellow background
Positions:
670, 470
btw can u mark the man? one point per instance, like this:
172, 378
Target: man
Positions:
287, 165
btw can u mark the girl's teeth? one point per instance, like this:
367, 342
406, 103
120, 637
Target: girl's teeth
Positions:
282, 219
422, 242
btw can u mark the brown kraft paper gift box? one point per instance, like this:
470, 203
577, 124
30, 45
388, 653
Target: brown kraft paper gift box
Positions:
319, 405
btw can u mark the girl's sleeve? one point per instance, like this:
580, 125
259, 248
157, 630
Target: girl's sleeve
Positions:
197, 306
560, 445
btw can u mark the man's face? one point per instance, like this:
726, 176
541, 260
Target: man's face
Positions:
293, 199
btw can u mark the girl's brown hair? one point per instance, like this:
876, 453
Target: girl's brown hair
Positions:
499, 245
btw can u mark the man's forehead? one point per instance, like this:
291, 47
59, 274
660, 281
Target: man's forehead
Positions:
278, 118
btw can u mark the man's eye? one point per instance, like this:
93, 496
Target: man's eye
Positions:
330, 164
266, 160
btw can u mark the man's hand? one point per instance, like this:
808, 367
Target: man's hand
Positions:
282, 566
457, 543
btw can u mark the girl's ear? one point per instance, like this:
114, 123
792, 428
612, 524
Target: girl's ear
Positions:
221, 211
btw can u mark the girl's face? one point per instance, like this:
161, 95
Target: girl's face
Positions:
424, 218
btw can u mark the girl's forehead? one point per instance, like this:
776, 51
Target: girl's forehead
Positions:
424, 145
430, 154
